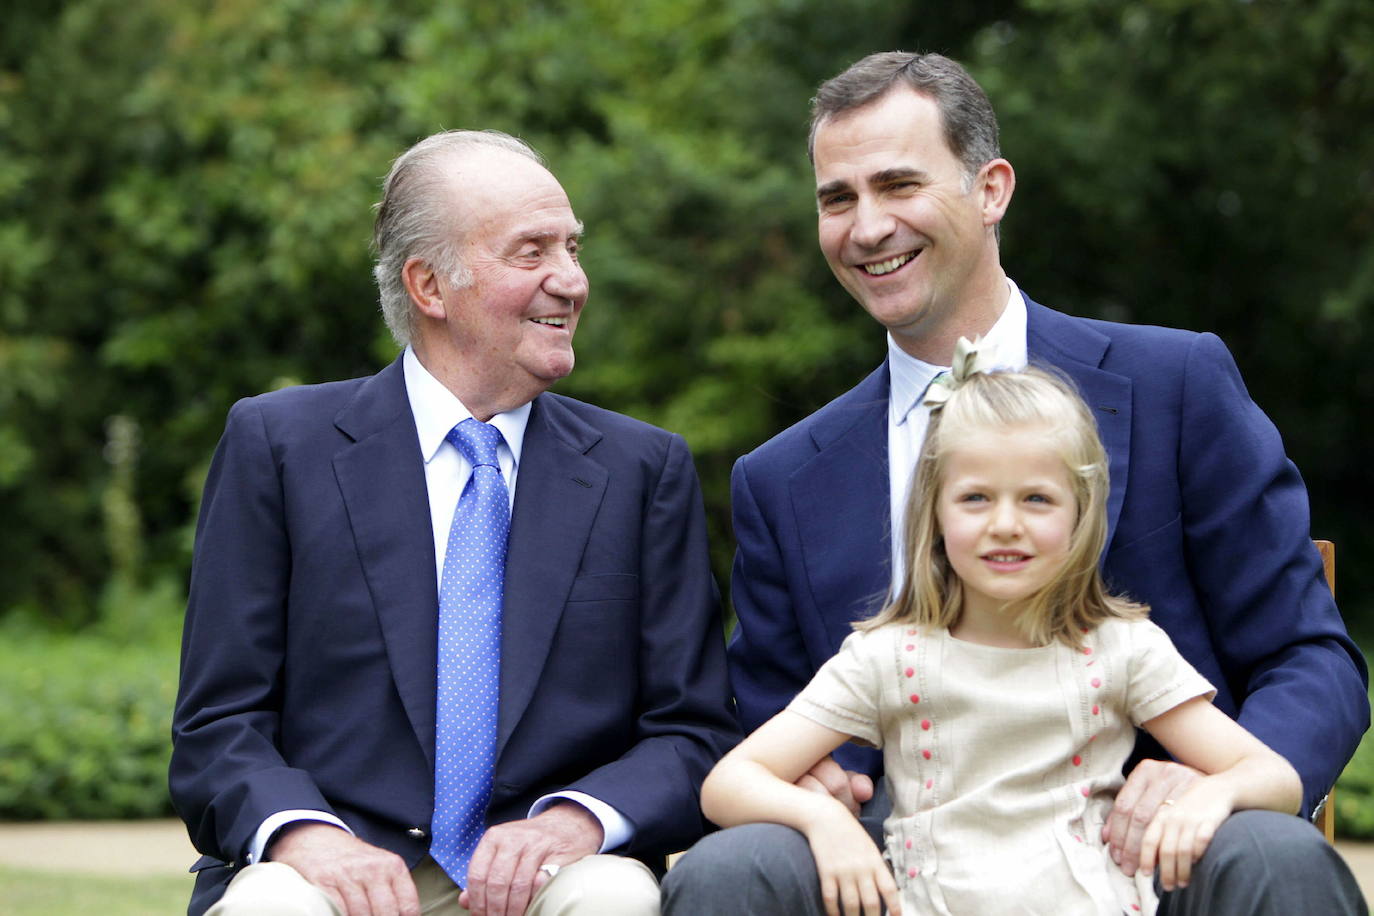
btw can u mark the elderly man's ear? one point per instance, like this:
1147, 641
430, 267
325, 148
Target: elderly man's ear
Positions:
422, 283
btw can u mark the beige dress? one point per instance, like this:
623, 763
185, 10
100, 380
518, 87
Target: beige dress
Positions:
1002, 764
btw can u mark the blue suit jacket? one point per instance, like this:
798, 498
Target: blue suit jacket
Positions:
309, 654
1208, 524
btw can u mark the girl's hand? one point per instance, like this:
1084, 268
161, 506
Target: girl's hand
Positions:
1181, 830
854, 878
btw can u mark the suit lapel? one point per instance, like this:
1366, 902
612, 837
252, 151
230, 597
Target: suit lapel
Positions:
842, 502
1078, 349
382, 480
557, 492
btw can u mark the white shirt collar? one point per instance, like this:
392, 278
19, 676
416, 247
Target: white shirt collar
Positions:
437, 410
910, 377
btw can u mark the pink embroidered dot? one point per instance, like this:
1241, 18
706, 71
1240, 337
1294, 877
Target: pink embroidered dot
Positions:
912, 872
1087, 650
915, 698
1092, 738
1078, 838
1087, 792
911, 632
909, 844
1136, 907
930, 783
911, 672
925, 724
1091, 663
1096, 682
909, 647
925, 754
1077, 760
1096, 709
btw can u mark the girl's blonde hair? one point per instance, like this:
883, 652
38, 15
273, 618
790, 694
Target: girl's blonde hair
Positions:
1075, 600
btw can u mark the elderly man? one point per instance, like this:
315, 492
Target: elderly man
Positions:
450, 636
1208, 518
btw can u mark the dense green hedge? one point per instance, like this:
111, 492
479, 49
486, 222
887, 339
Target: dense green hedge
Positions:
186, 192
85, 727
1355, 793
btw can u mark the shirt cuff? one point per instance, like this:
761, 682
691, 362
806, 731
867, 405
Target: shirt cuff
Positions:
615, 827
282, 818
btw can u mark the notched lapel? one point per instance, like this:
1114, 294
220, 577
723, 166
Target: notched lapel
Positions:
382, 480
1076, 348
841, 501
1109, 397
557, 494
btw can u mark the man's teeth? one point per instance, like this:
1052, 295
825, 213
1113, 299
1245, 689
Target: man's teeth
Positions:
888, 266
551, 322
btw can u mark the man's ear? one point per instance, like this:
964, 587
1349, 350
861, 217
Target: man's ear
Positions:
422, 283
996, 182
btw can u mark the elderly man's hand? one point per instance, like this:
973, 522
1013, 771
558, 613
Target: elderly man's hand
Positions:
362, 879
1150, 783
829, 778
504, 874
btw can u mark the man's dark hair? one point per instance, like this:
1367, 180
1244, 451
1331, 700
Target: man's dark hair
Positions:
969, 122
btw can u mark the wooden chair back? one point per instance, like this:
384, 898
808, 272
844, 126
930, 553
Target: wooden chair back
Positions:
1326, 817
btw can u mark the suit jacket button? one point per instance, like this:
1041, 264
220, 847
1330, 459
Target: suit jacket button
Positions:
416, 832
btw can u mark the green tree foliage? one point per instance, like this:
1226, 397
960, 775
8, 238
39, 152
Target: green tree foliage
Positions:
185, 194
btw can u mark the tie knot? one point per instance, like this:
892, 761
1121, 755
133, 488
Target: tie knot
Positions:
477, 441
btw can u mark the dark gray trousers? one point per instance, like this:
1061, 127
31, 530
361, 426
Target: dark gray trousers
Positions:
1260, 863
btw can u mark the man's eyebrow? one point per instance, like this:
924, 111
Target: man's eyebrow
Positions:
831, 187
886, 176
544, 236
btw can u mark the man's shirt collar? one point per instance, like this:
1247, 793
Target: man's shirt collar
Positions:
910, 377
437, 410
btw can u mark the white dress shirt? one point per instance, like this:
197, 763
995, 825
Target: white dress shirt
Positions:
436, 411
908, 418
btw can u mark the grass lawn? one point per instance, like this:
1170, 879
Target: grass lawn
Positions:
48, 893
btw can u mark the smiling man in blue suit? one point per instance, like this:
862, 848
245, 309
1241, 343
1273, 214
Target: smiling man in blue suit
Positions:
450, 638
1208, 518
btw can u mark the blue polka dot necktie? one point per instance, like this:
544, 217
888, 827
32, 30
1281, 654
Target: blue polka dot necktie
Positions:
469, 652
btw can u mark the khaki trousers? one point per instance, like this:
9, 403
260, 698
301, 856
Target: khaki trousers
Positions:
595, 886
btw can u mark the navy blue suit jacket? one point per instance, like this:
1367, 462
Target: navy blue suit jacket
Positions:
1208, 524
309, 654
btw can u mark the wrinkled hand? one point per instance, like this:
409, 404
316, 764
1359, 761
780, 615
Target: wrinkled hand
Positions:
829, 778
1149, 784
1180, 833
854, 878
504, 874
361, 878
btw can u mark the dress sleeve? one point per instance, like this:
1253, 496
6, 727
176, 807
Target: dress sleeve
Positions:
845, 693
1160, 678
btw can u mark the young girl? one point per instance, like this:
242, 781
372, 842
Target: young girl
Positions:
1004, 686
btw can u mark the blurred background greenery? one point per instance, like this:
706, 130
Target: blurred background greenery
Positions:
185, 207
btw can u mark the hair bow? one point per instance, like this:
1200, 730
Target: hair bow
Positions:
969, 359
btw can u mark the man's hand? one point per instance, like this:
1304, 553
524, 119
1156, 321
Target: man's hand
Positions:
1150, 783
1181, 832
829, 778
361, 878
504, 874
